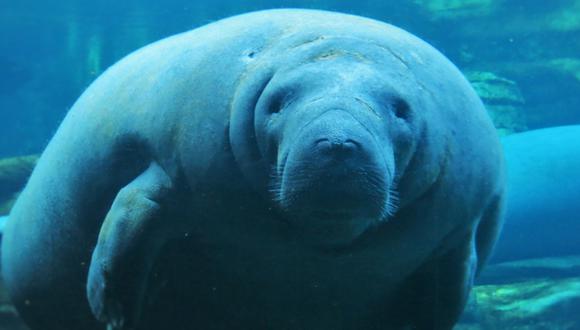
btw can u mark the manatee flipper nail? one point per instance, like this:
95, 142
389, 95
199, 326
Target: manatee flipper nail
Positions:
128, 243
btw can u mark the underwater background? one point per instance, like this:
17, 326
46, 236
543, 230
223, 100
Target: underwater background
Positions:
521, 56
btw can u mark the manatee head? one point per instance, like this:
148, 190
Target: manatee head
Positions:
325, 140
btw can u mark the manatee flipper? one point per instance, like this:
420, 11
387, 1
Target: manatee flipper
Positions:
439, 290
129, 241
434, 296
452, 276
488, 231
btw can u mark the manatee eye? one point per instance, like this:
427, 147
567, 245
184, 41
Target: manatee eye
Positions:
275, 106
401, 109
280, 102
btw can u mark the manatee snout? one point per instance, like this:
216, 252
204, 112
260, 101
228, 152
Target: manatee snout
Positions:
334, 171
337, 137
335, 145
336, 148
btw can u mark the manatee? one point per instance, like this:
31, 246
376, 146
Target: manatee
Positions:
284, 169
543, 196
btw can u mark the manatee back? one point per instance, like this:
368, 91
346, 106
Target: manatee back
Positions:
543, 171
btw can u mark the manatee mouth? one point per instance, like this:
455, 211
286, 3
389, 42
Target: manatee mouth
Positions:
331, 215
323, 214
333, 193
334, 178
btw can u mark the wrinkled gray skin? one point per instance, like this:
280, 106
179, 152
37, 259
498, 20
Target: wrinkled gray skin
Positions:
284, 169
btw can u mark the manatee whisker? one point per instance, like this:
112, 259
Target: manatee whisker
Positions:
392, 204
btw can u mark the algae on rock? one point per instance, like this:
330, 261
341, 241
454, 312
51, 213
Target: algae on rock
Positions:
13, 175
503, 100
527, 294
454, 9
536, 304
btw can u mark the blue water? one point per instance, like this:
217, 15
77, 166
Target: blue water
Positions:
50, 51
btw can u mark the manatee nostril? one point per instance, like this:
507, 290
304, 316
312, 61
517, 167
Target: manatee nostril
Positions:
337, 145
321, 141
349, 143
